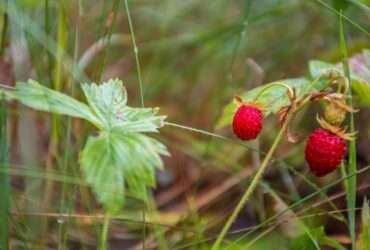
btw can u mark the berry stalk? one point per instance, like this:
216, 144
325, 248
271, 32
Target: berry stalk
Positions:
290, 90
252, 186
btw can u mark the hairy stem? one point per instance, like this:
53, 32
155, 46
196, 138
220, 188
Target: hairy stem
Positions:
273, 85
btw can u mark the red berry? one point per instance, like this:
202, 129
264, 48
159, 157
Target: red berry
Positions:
324, 151
247, 123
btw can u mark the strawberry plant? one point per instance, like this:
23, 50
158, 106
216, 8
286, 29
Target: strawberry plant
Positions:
325, 148
121, 156
282, 168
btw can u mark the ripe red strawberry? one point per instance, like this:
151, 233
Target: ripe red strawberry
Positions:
324, 151
247, 122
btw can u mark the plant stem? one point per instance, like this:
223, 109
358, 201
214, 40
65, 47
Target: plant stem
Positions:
270, 86
108, 35
136, 51
252, 186
352, 163
56, 121
47, 33
104, 233
4, 178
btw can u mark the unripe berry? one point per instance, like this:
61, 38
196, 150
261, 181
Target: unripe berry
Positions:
334, 114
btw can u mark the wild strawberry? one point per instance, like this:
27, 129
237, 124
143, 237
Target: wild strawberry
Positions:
247, 122
324, 151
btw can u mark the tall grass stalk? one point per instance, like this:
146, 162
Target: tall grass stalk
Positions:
64, 203
111, 19
47, 33
54, 139
269, 221
352, 163
136, 52
4, 178
349, 20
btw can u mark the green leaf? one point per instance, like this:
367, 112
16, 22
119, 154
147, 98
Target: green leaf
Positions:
120, 156
273, 98
36, 96
109, 103
360, 73
113, 159
364, 237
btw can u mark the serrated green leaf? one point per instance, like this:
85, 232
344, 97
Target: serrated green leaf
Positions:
109, 102
120, 156
274, 98
36, 96
113, 159
360, 73
102, 171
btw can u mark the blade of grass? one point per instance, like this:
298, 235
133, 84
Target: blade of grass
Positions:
241, 35
352, 163
267, 222
111, 19
136, 52
47, 33
4, 28
356, 25
4, 178
66, 203
56, 121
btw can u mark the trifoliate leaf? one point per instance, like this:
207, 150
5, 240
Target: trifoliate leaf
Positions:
120, 148
113, 159
109, 102
274, 98
120, 156
34, 95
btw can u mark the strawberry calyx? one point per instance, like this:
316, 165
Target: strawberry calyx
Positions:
240, 102
339, 131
